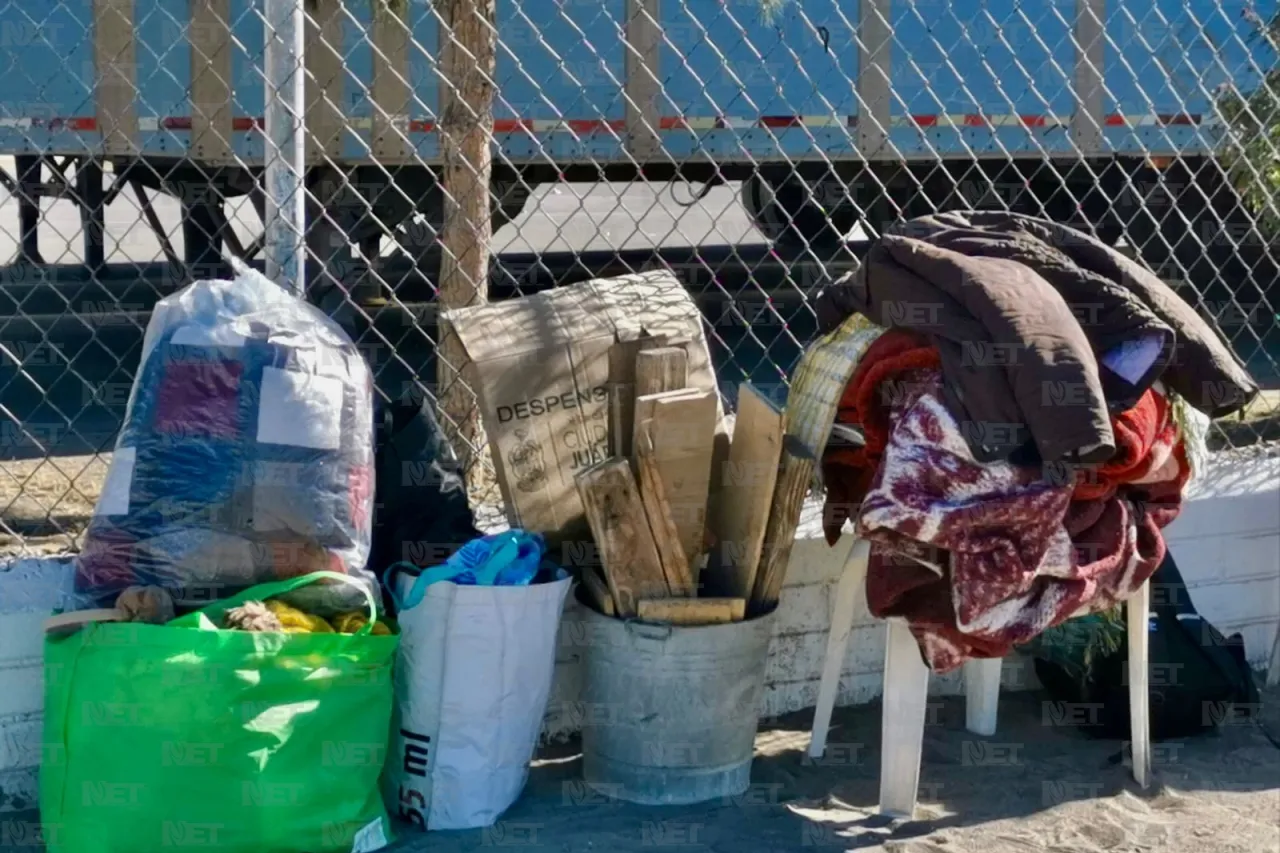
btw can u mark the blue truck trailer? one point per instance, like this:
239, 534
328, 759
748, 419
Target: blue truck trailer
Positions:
830, 112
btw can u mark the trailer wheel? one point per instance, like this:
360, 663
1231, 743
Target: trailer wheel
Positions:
792, 211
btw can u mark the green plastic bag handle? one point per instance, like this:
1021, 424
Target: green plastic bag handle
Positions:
263, 591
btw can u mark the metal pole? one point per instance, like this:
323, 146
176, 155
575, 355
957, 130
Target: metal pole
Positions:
285, 246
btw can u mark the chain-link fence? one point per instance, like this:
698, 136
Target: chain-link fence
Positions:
751, 146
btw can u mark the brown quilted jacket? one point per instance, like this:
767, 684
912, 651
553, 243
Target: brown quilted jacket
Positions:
1022, 310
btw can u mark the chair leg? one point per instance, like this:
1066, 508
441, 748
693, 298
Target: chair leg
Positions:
982, 695
1138, 614
855, 573
906, 697
1273, 669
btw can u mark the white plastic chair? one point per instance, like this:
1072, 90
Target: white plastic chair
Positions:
906, 688
1273, 668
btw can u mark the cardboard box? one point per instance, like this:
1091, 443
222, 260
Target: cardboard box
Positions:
541, 367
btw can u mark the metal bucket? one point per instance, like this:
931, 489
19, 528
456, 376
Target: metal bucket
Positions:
671, 711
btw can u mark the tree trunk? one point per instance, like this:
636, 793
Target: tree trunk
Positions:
468, 60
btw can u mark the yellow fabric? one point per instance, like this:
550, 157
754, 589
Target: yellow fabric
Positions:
349, 623
297, 622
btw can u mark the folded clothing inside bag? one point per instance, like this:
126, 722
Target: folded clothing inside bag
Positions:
246, 456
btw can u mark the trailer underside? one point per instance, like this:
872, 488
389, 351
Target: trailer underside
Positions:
1165, 210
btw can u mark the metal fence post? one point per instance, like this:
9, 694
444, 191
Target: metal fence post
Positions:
285, 225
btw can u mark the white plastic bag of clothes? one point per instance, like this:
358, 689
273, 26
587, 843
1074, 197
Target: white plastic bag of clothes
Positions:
473, 675
246, 453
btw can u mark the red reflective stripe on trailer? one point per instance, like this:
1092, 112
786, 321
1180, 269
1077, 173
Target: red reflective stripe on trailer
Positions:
176, 123
1034, 121
244, 123
1178, 118
925, 120
781, 121
1114, 120
79, 124
418, 125
507, 125
673, 123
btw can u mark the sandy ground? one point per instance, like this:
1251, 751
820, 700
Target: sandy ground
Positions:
1030, 788
46, 503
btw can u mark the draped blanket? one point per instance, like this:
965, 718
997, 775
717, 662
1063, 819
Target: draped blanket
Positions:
980, 557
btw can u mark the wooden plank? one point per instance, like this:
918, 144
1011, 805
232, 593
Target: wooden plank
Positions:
622, 395
795, 475
645, 408
1088, 121
598, 591
628, 555
211, 112
623, 355
643, 78
622, 406
875, 61
649, 342
746, 492
662, 369
116, 69
666, 535
326, 82
683, 435
622, 390
693, 611
391, 95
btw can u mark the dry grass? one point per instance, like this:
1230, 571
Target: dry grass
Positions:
1257, 423
45, 504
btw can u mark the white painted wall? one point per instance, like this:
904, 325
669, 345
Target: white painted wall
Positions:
29, 591
1227, 542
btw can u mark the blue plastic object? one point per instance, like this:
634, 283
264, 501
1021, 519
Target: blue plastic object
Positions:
510, 558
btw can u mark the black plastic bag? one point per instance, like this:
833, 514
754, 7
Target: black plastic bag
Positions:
421, 514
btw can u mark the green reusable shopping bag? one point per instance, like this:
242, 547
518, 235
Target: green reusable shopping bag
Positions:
187, 735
